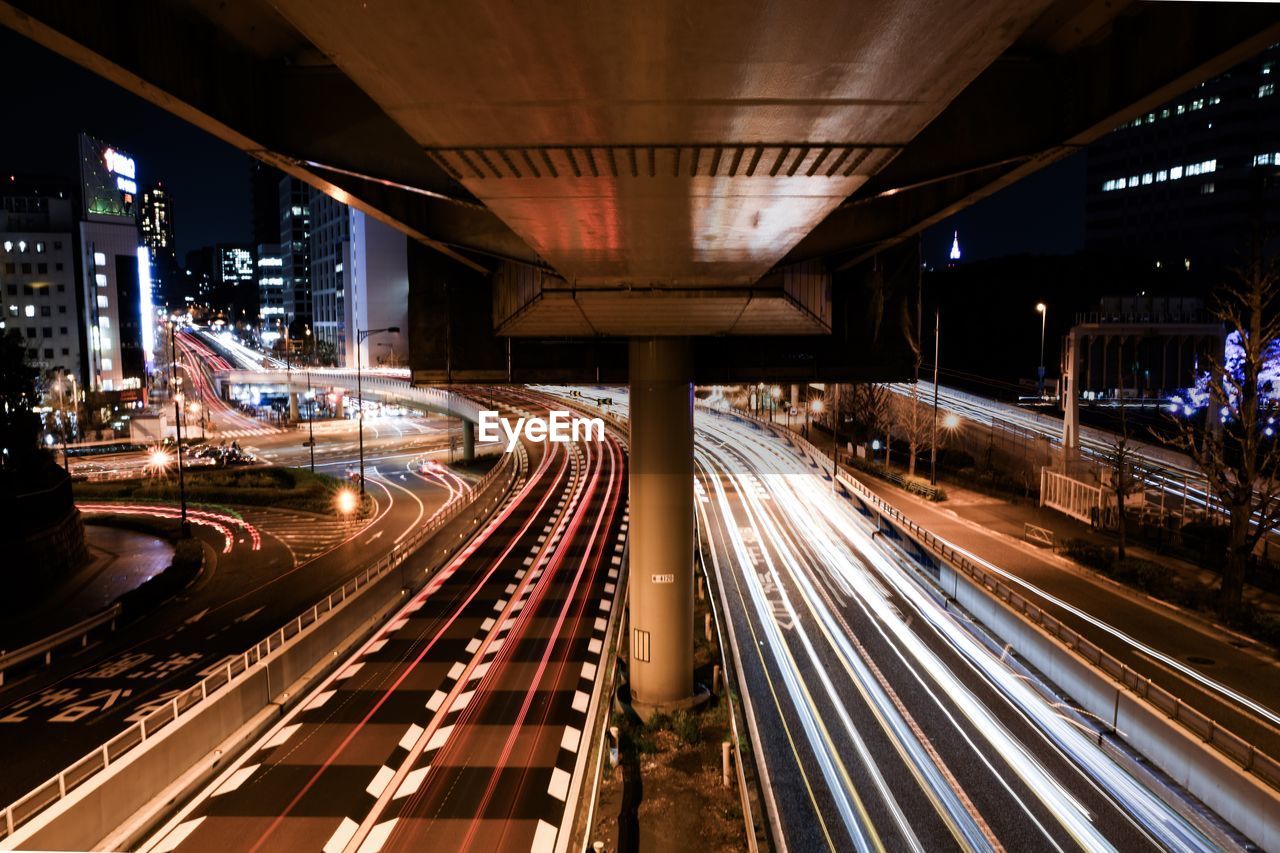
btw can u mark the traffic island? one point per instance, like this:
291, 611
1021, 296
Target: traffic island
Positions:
673, 781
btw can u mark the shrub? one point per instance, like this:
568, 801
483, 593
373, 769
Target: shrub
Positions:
1088, 553
687, 727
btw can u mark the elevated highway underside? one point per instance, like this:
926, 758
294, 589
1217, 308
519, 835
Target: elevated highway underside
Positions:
583, 173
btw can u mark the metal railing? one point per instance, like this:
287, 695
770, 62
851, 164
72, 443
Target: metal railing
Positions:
40, 798
45, 647
1234, 747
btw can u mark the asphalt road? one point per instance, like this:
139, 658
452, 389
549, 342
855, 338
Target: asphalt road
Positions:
459, 726
884, 721
265, 568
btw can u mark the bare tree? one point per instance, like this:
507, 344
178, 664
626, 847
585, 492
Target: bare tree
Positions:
913, 419
1122, 475
1234, 447
870, 409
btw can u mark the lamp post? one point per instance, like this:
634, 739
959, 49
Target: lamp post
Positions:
177, 426
1044, 319
775, 394
361, 337
311, 416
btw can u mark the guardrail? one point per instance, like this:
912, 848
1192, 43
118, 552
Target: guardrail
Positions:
1225, 742
46, 647
43, 796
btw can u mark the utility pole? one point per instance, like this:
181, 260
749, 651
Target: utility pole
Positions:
933, 445
835, 437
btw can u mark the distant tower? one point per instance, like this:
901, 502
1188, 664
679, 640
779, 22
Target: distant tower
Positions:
955, 248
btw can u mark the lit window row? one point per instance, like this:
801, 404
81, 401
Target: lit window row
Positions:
1176, 173
22, 246
1272, 159
1266, 89
1179, 109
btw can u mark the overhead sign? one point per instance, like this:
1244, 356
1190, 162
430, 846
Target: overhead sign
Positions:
109, 177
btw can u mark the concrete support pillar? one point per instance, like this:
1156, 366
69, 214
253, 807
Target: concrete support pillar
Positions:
1071, 401
661, 542
468, 441
340, 405
293, 406
795, 396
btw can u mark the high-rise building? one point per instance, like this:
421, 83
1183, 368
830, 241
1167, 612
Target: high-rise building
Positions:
264, 200
157, 234
330, 236
1184, 183
377, 265
37, 272
359, 280
115, 274
270, 266
295, 249
237, 282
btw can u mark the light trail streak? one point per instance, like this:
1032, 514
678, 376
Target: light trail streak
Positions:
816, 520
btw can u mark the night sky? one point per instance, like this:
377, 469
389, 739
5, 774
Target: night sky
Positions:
53, 100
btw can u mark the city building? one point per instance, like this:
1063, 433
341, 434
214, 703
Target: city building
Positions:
359, 281
157, 234
1184, 183
295, 252
115, 274
270, 267
38, 274
330, 238
377, 262
237, 282
264, 201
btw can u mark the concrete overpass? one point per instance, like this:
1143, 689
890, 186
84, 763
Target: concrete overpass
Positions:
662, 192
371, 383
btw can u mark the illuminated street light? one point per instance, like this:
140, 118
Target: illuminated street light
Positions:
1043, 311
346, 501
951, 421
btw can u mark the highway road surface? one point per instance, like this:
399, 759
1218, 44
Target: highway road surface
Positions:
463, 724
884, 720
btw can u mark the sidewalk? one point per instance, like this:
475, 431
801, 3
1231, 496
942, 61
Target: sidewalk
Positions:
992, 528
119, 560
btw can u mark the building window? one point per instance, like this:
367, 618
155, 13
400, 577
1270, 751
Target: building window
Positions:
1206, 189
11, 269
106, 364
12, 289
29, 310
1175, 173
57, 244
99, 259
57, 267
102, 300
1266, 89
48, 353
62, 309
42, 269
62, 330
40, 248
45, 311
47, 331
62, 288
26, 269
66, 351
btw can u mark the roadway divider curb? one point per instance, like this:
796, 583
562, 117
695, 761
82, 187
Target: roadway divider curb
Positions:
1228, 774
81, 805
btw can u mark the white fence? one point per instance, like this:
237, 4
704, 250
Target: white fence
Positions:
1071, 497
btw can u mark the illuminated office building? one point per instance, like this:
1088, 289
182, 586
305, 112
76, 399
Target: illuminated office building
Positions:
37, 272
115, 274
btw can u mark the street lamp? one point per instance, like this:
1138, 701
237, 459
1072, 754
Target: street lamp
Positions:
177, 426
1044, 319
361, 337
933, 444
811, 407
